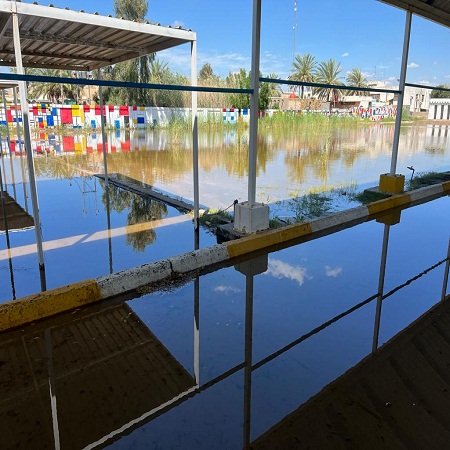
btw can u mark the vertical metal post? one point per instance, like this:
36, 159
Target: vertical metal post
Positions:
195, 132
102, 116
105, 165
401, 95
19, 138
8, 137
254, 102
28, 149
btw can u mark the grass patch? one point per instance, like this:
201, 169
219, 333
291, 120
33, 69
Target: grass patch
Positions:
427, 179
369, 196
214, 217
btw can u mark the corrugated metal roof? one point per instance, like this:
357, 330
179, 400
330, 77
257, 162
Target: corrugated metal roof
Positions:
63, 39
436, 10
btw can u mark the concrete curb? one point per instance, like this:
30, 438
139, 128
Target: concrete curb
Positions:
38, 306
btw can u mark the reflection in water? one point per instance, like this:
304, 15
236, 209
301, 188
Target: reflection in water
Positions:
130, 375
140, 210
280, 269
289, 159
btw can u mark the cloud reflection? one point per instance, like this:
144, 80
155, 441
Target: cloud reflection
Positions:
333, 272
227, 289
279, 269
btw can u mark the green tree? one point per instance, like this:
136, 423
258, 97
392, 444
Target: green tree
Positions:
239, 80
304, 68
137, 70
131, 9
328, 73
206, 73
357, 79
436, 93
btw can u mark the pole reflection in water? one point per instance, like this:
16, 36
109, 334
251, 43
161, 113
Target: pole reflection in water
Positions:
197, 330
8, 244
249, 269
108, 220
384, 250
447, 267
52, 387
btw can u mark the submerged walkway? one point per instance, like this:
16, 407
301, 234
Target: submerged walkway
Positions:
137, 187
397, 398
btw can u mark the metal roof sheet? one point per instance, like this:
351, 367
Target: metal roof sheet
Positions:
435, 10
59, 38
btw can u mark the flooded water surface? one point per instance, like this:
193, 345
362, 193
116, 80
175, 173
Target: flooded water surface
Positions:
86, 236
217, 361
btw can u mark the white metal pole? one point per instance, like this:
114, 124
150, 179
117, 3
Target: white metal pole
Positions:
401, 95
27, 138
254, 101
100, 95
19, 138
195, 133
8, 137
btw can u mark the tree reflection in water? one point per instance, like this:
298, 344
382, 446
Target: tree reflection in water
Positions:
140, 210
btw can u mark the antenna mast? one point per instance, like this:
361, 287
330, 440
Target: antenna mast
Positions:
294, 29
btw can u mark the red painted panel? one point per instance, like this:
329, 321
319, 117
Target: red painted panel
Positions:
68, 143
66, 115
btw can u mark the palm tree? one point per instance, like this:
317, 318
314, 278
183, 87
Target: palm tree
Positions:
54, 92
303, 69
357, 79
328, 73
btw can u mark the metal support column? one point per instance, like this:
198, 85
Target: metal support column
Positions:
28, 149
254, 102
8, 137
195, 133
19, 139
102, 120
401, 95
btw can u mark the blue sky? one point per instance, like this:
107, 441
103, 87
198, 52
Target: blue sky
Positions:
366, 34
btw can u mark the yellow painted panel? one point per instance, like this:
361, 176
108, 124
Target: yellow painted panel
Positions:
76, 111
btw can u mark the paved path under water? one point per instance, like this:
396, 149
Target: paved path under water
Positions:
397, 398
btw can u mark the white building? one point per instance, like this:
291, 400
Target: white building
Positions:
439, 109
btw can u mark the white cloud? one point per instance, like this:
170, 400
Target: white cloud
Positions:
178, 23
279, 269
447, 76
345, 54
227, 289
424, 82
332, 272
179, 60
413, 65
